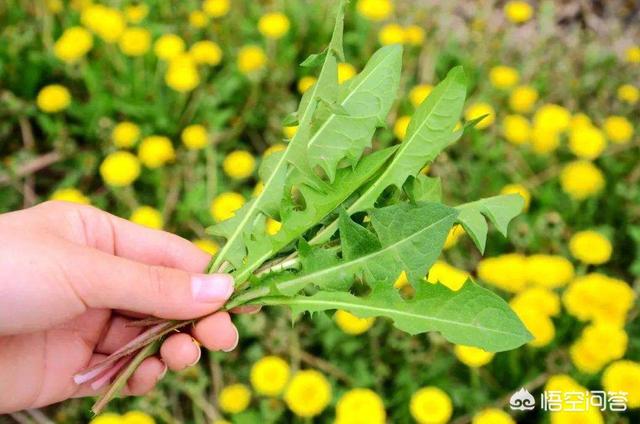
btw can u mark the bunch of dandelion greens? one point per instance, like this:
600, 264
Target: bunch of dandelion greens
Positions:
353, 220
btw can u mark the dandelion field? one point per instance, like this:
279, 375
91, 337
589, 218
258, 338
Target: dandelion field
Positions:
163, 112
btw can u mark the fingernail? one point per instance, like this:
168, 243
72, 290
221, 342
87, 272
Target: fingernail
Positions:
163, 373
235, 344
195, 342
211, 288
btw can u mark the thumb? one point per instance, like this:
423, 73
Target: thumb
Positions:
105, 281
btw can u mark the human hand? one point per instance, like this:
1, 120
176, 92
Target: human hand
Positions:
72, 277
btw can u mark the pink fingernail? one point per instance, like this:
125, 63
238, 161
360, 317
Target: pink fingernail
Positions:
235, 344
199, 353
211, 288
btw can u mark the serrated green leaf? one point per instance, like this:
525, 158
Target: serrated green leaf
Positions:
240, 227
470, 316
429, 132
410, 239
295, 222
364, 102
423, 188
500, 210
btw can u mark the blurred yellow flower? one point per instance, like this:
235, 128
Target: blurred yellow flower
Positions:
419, 93
518, 189
516, 129
518, 11
414, 35
289, 132
195, 137
580, 414
492, 416
563, 383
580, 120
447, 275
306, 83
106, 22
73, 44
125, 134
550, 271
137, 417
234, 398
375, 10
120, 169
628, 94
401, 281
257, 189
274, 148
632, 54
360, 406
209, 246
618, 129
391, 34
270, 375
135, 41
598, 345
54, 6
346, 71
523, 98
596, 297
503, 77
590, 247
70, 194
216, 8
352, 324
308, 394
239, 164
552, 117
400, 127
182, 74
274, 25
431, 405
148, 217
538, 299
623, 376
581, 179
544, 140
107, 418
155, 151
168, 46
135, 13
478, 109
225, 205
206, 52
198, 19
273, 226
472, 357
538, 323
506, 272
453, 236
53, 98
251, 58
587, 142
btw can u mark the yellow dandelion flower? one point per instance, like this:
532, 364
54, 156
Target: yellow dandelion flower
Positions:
619, 129
239, 164
53, 98
400, 127
360, 406
208, 246
273, 226
225, 205
270, 375
538, 299
492, 416
216, 8
198, 19
472, 357
518, 11
135, 41
507, 272
632, 54
523, 98
623, 376
550, 271
516, 129
503, 77
125, 134
306, 83
375, 10
627, 93
346, 71
182, 74
120, 169
206, 53
108, 23
352, 324
234, 399
518, 189
289, 132
136, 13
587, 142
274, 25
419, 93
453, 236
73, 44
478, 109
590, 247
414, 35
70, 194
155, 151
308, 393
450, 276
431, 405
391, 34
251, 58
195, 137
581, 179
168, 46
